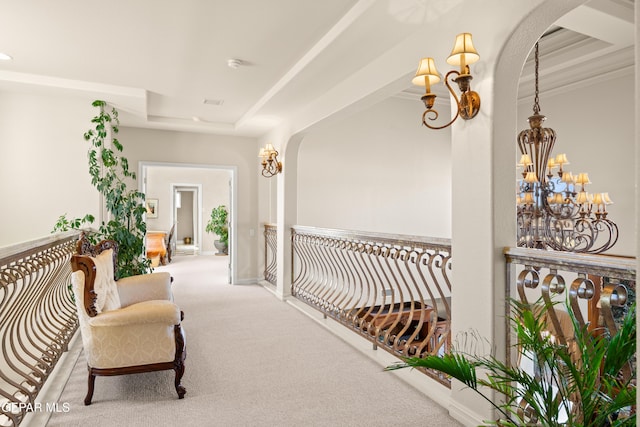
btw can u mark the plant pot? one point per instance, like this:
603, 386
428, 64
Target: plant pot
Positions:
221, 247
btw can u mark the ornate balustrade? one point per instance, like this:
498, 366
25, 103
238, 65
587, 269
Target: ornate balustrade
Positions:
37, 319
598, 288
393, 290
270, 252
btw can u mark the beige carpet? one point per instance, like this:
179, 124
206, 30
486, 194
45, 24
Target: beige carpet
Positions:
252, 361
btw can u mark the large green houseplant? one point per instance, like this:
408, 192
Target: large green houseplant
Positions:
125, 207
595, 391
218, 225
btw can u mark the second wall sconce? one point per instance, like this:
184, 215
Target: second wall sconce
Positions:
270, 164
468, 105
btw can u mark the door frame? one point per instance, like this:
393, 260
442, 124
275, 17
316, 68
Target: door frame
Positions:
233, 204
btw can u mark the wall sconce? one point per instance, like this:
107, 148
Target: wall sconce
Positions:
468, 104
270, 164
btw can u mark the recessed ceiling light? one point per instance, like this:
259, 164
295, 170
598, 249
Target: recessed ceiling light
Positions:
5, 57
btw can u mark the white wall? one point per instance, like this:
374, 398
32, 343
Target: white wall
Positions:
43, 164
378, 170
215, 192
595, 127
147, 145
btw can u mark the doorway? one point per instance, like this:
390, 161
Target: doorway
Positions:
186, 194
186, 219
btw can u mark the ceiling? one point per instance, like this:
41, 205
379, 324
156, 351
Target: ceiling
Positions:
164, 64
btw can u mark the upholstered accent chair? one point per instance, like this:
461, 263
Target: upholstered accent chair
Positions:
128, 326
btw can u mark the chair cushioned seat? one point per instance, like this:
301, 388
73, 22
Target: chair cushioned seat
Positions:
154, 311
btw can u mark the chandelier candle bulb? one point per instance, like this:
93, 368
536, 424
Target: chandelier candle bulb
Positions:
531, 177
567, 178
597, 199
525, 161
558, 199
583, 179
561, 160
582, 198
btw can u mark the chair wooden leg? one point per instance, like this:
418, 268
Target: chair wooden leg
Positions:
181, 355
92, 381
179, 388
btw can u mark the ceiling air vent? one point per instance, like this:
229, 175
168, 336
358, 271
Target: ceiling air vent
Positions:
217, 102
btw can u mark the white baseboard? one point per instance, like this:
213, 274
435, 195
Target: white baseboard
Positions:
245, 282
424, 384
465, 415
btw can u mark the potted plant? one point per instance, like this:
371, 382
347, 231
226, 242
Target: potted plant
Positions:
596, 390
126, 208
218, 225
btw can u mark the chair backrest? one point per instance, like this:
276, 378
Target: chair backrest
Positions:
82, 261
170, 235
85, 247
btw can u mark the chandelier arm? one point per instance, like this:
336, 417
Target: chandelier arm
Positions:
602, 225
446, 82
568, 211
587, 232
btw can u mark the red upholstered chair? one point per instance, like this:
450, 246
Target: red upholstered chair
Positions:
128, 326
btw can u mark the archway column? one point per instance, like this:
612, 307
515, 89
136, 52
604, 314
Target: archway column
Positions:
286, 216
480, 189
483, 201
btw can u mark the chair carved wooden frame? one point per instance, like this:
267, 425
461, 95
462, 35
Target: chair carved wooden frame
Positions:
83, 262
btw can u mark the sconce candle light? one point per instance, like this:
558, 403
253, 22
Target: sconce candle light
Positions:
270, 164
468, 105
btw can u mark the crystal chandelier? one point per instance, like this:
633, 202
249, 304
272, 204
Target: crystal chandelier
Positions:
555, 211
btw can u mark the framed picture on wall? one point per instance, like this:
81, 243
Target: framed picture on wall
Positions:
152, 208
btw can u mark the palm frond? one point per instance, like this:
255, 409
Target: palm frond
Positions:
455, 365
588, 378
